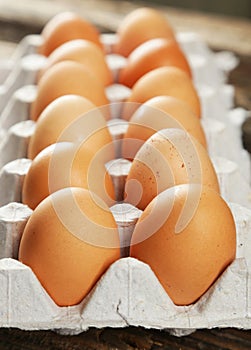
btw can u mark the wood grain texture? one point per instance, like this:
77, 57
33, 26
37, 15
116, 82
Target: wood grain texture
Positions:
218, 31
241, 79
130, 338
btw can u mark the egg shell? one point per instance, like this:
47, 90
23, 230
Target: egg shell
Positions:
169, 157
64, 27
158, 113
84, 52
65, 164
153, 54
167, 81
64, 78
65, 258
187, 261
139, 26
70, 118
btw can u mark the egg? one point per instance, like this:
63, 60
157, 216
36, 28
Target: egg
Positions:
139, 26
64, 27
169, 157
158, 113
84, 52
71, 118
187, 236
65, 78
152, 54
69, 241
66, 164
167, 81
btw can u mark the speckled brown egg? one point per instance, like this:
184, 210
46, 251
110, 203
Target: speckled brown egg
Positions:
166, 81
66, 164
187, 236
153, 54
84, 52
69, 241
71, 118
169, 157
139, 26
65, 78
158, 113
66, 26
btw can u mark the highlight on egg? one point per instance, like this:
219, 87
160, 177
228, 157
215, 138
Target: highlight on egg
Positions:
71, 118
66, 26
166, 81
153, 54
84, 52
65, 78
186, 249
158, 113
139, 26
169, 157
70, 249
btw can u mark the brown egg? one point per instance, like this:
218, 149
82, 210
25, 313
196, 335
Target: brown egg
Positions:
64, 27
70, 118
167, 81
158, 113
65, 164
84, 52
139, 26
169, 157
69, 241
153, 54
67, 78
187, 236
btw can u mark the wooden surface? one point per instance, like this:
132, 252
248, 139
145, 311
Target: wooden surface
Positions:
20, 18
30, 15
130, 338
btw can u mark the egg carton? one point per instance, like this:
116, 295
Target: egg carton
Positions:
119, 298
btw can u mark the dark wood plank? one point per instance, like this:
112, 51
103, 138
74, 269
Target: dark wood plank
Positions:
241, 79
130, 338
218, 31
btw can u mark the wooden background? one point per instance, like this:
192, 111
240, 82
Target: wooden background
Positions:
19, 18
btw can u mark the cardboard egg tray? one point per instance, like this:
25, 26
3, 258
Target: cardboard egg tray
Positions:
128, 293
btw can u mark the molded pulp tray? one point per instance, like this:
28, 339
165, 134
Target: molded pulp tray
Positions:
128, 293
